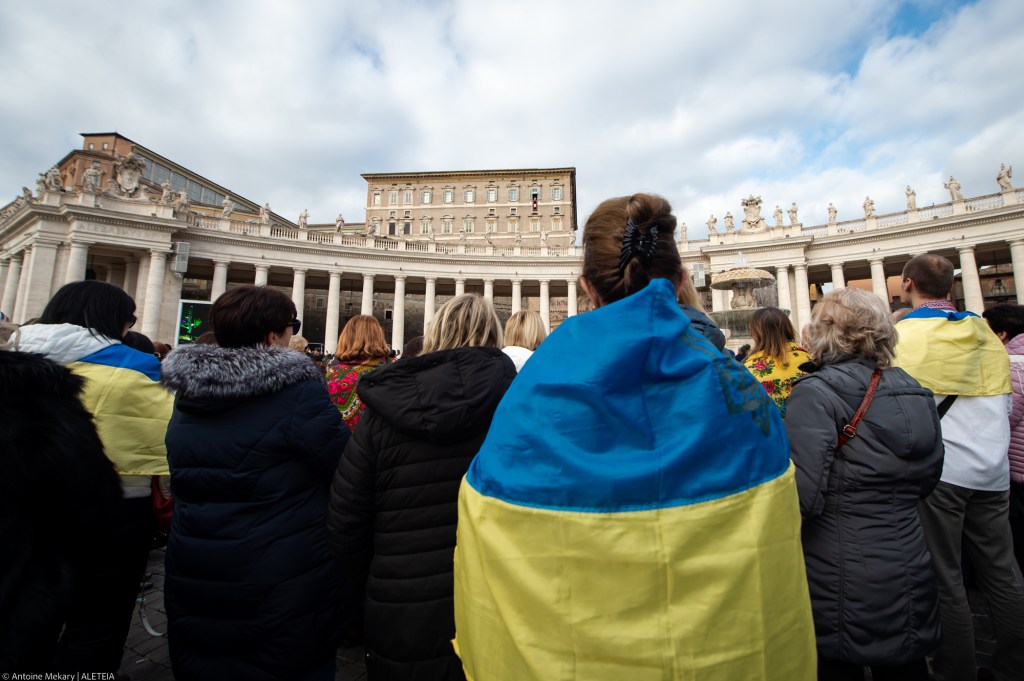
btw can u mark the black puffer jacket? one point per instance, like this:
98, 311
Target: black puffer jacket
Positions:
394, 502
252, 591
870, 575
57, 492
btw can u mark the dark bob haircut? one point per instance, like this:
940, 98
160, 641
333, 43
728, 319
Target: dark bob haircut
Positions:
1005, 317
244, 316
95, 305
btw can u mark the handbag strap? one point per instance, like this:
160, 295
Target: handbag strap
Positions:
849, 431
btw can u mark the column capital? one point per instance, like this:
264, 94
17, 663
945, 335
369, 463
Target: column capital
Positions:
159, 253
965, 248
836, 265
778, 268
876, 260
401, 277
220, 261
300, 270
260, 267
335, 273
488, 280
1016, 242
368, 277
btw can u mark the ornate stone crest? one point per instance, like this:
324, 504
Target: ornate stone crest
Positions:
129, 171
752, 220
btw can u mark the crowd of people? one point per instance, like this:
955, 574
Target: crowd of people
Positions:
622, 499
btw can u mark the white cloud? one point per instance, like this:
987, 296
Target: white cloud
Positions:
704, 103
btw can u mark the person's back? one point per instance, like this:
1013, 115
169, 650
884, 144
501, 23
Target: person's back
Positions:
633, 505
960, 359
393, 509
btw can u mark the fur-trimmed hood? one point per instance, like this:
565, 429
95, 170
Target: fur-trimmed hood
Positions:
204, 377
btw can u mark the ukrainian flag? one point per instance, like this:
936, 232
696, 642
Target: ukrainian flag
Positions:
952, 353
130, 407
632, 514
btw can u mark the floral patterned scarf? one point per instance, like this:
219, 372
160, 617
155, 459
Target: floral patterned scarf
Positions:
342, 379
776, 378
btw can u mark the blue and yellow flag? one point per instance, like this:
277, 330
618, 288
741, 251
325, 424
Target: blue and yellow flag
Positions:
632, 514
952, 353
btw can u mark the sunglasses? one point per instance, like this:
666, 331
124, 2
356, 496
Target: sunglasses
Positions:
296, 325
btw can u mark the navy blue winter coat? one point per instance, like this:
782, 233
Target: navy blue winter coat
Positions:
252, 590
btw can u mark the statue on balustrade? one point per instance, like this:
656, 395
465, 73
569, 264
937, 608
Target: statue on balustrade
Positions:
303, 218
869, 207
227, 208
682, 234
572, 236
1003, 178
339, 223
778, 216
430, 231
168, 193
792, 215
371, 229
752, 220
543, 238
53, 182
519, 238
41, 184
265, 214
712, 221
182, 205
832, 212
954, 189
91, 178
911, 199
728, 222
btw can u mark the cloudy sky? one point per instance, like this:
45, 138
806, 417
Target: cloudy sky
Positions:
703, 102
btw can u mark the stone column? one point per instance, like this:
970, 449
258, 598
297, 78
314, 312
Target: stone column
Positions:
333, 312
717, 300
262, 275
11, 286
5, 265
460, 285
77, 260
878, 284
367, 306
140, 286
545, 304
785, 297
220, 279
517, 295
19, 301
1017, 257
838, 280
299, 290
489, 289
131, 275
570, 303
974, 300
398, 314
40, 277
803, 295
428, 301
154, 293
115, 276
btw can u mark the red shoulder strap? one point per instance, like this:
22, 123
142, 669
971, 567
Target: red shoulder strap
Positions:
850, 429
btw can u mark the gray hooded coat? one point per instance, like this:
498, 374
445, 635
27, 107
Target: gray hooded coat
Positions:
868, 568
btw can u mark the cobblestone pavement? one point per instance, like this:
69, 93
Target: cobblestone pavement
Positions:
146, 657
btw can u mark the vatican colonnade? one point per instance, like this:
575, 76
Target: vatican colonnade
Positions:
110, 213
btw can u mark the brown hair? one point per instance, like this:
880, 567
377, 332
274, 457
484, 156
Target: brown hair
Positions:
772, 333
362, 338
850, 321
466, 320
603, 241
525, 329
244, 316
932, 275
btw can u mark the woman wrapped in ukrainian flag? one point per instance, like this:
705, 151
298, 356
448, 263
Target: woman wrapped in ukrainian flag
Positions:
632, 513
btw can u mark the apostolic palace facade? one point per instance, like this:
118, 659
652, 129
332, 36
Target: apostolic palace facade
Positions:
117, 211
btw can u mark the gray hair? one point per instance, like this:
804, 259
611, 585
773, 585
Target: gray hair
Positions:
850, 321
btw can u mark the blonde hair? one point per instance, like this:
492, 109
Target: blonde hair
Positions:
466, 320
525, 329
298, 343
362, 338
851, 322
688, 292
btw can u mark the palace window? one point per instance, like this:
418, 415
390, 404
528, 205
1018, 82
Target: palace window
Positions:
408, 197
392, 198
449, 195
426, 196
534, 224
467, 224
513, 224
376, 198
556, 193
513, 211
408, 213
558, 210
424, 225
492, 225
556, 224
492, 194
513, 194
469, 195
446, 225
407, 227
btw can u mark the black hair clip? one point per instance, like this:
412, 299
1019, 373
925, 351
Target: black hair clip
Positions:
636, 244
